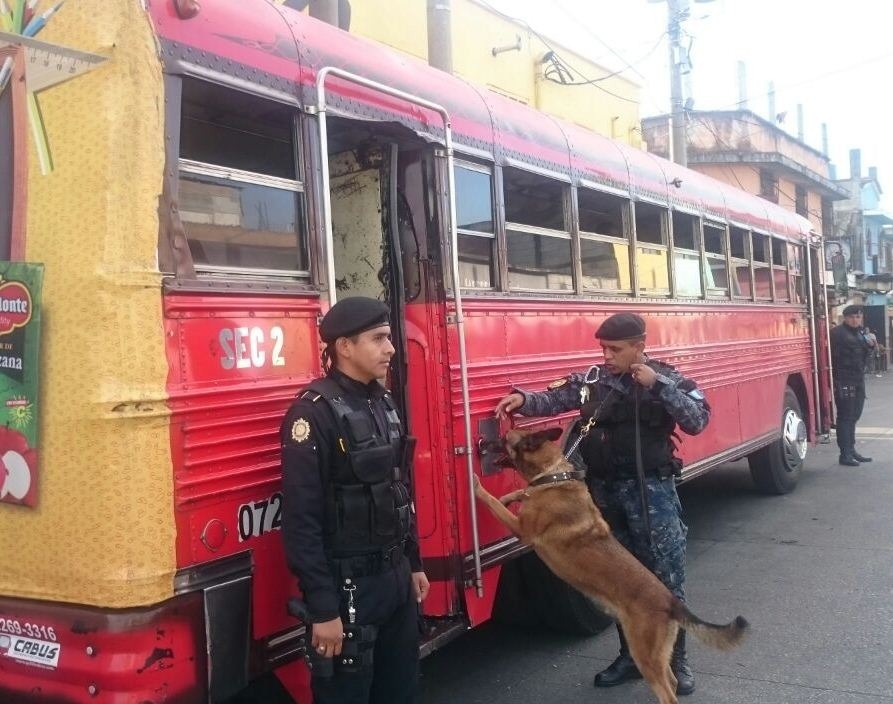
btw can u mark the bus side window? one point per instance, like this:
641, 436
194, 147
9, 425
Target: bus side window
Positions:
716, 266
476, 225
686, 254
604, 245
761, 263
780, 269
795, 266
240, 200
652, 253
739, 249
538, 243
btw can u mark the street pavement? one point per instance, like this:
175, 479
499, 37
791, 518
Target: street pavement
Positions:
812, 571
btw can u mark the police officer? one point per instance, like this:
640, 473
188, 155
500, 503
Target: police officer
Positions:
849, 353
644, 515
348, 523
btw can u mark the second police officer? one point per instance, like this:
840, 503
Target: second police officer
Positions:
637, 403
348, 523
850, 350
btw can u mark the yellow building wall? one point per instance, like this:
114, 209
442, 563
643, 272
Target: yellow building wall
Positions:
517, 74
103, 530
403, 26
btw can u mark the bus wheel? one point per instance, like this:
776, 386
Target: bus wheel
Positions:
776, 468
529, 595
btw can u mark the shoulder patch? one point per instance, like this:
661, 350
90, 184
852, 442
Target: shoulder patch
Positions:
311, 396
300, 430
557, 384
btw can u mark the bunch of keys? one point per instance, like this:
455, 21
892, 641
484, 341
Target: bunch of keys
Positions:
592, 376
350, 588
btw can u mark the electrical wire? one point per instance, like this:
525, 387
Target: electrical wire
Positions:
593, 81
555, 54
818, 76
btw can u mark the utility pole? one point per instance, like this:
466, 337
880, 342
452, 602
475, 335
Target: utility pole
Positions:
677, 13
677, 10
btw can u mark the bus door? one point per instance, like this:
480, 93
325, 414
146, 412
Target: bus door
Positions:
819, 330
385, 221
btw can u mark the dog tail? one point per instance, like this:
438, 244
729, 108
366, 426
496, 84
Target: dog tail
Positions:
723, 637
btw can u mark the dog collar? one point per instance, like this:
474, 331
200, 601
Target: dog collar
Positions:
541, 479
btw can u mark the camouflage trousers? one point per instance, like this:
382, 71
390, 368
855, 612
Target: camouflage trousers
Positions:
621, 505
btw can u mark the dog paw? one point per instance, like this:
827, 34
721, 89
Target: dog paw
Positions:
479, 490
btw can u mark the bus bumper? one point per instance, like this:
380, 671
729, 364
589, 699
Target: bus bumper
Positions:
60, 653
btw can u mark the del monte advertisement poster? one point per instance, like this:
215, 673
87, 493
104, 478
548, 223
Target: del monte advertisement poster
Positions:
20, 287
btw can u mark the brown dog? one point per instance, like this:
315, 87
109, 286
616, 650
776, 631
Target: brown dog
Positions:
559, 520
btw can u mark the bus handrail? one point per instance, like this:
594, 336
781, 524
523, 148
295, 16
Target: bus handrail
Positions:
817, 419
454, 255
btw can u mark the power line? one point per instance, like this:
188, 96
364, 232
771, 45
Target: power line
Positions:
818, 76
576, 18
618, 71
549, 46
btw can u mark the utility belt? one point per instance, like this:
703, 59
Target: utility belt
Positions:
368, 564
661, 473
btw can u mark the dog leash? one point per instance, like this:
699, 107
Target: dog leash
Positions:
584, 430
640, 471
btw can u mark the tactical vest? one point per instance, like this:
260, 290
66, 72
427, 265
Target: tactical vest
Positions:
850, 353
610, 449
367, 502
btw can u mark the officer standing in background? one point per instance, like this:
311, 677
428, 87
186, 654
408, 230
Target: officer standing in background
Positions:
629, 382
849, 353
347, 522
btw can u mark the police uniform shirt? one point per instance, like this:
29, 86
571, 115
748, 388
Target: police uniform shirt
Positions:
309, 437
679, 395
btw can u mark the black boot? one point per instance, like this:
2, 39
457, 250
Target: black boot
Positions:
685, 678
847, 459
623, 669
860, 458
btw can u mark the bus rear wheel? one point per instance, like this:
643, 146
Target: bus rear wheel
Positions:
776, 468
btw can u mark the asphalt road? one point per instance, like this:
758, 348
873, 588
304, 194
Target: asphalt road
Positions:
812, 571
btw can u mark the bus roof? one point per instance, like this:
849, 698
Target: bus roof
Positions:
280, 50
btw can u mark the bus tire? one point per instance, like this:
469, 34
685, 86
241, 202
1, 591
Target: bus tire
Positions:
529, 594
776, 468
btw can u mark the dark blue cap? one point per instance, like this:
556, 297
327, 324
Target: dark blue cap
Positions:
351, 316
621, 326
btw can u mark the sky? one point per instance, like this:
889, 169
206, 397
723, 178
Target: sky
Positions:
836, 59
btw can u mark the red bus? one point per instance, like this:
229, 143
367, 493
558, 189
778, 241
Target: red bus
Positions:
278, 163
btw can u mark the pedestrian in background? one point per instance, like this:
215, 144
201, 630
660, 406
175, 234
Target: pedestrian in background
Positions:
850, 350
871, 339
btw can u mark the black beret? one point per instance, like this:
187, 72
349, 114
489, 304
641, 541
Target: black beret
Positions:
621, 326
852, 310
351, 316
